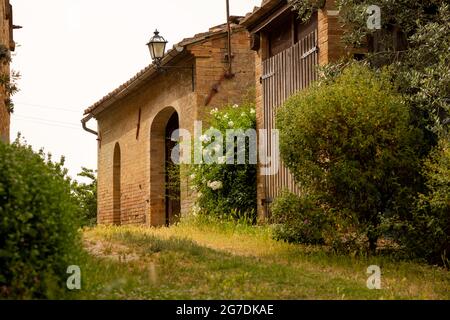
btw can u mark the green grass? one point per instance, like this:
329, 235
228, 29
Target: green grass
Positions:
195, 260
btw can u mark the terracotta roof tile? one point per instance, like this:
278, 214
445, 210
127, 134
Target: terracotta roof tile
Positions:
260, 12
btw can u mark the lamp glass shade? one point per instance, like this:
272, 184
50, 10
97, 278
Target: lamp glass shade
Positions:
157, 46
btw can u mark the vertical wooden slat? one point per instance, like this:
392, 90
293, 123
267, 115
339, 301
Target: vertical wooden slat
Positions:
269, 112
307, 47
303, 64
285, 74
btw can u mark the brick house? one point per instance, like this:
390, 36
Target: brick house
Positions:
135, 120
287, 54
6, 45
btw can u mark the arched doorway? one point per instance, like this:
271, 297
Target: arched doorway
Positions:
165, 206
116, 185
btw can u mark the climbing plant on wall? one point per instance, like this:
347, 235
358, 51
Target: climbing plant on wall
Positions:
8, 80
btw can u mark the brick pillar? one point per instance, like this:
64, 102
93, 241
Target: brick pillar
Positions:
259, 58
330, 34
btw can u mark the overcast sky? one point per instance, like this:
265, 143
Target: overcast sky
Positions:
71, 53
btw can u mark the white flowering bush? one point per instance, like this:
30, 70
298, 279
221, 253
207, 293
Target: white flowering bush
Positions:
224, 188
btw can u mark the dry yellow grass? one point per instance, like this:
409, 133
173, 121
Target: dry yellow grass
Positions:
228, 261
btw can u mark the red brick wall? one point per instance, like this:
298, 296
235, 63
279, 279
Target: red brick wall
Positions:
212, 66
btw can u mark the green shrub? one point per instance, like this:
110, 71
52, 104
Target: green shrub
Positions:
227, 189
350, 143
427, 234
38, 223
298, 219
305, 220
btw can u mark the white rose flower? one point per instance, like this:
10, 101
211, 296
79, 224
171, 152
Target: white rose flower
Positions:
225, 116
243, 114
235, 106
204, 138
214, 111
215, 185
192, 176
195, 210
231, 124
252, 111
209, 152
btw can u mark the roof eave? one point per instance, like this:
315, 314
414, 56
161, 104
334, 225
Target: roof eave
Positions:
260, 13
146, 74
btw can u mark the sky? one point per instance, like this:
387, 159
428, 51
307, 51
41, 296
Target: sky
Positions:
70, 53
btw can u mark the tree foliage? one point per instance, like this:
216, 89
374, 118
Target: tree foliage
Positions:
86, 196
426, 232
420, 65
305, 8
423, 74
396, 15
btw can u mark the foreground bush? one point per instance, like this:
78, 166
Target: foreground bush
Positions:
350, 143
223, 188
38, 225
303, 219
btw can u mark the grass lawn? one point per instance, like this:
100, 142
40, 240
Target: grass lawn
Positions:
227, 261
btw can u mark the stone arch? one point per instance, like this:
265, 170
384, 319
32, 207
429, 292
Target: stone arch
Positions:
164, 209
117, 164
